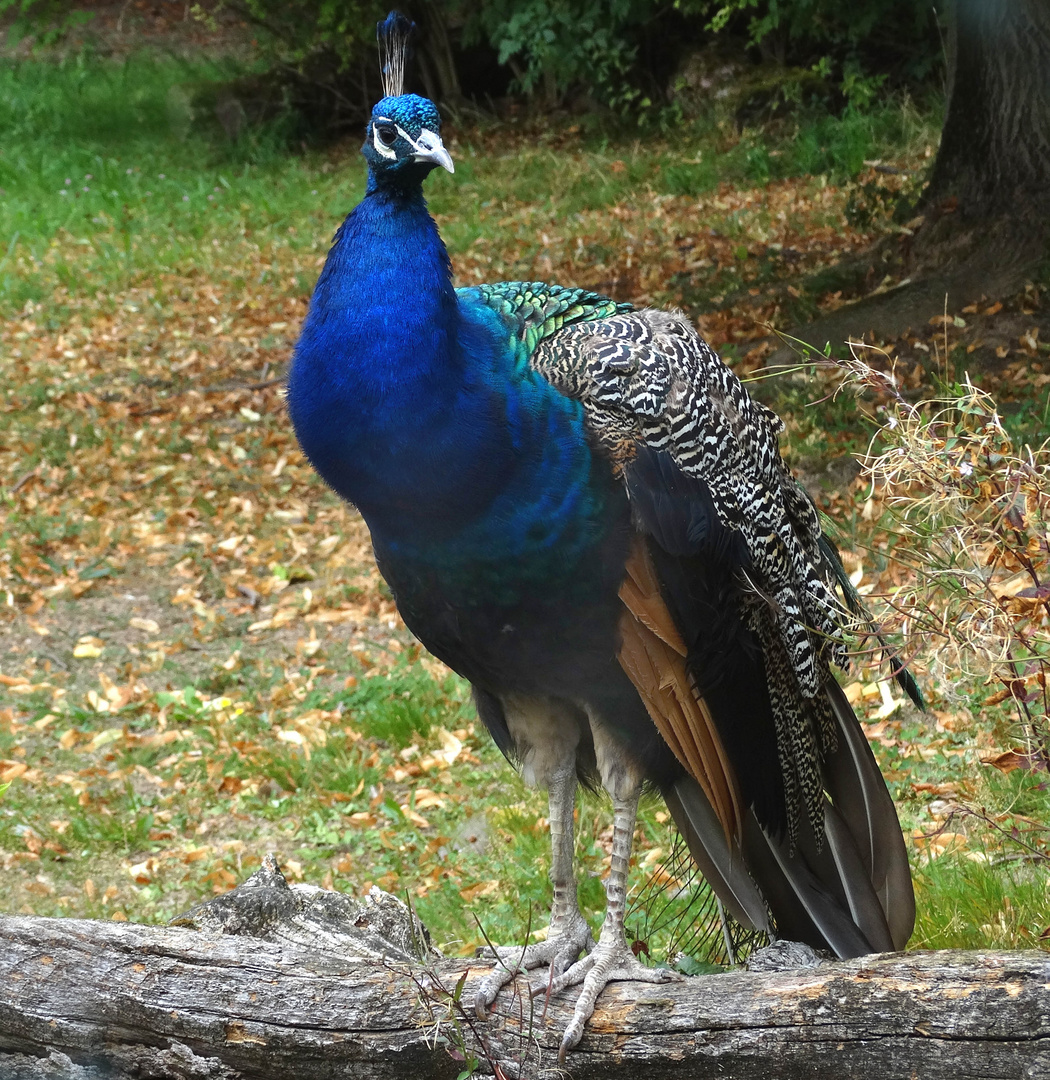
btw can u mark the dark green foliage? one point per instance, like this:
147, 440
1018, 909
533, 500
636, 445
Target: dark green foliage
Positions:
623, 54
340, 26
321, 71
555, 47
45, 20
321, 74
904, 32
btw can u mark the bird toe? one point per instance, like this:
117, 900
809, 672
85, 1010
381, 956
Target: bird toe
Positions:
604, 965
490, 986
558, 954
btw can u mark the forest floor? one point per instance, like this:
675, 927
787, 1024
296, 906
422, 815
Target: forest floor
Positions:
198, 660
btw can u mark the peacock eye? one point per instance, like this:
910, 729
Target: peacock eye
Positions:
387, 134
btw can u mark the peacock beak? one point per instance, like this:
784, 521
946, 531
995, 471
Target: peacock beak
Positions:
430, 148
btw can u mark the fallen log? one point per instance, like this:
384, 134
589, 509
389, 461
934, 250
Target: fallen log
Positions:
275, 981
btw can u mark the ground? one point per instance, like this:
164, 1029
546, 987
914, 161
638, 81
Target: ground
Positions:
199, 660
118, 28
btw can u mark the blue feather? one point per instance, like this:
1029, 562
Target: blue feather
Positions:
414, 404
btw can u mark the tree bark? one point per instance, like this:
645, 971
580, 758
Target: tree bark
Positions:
273, 981
995, 145
987, 206
984, 225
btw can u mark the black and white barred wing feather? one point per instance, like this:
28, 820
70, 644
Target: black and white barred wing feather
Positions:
648, 378
651, 385
728, 539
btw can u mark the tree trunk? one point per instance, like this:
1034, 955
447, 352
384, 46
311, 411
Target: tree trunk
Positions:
995, 145
987, 206
271, 981
984, 227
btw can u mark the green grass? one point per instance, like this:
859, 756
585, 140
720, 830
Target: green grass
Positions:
989, 888
109, 178
170, 204
981, 900
299, 805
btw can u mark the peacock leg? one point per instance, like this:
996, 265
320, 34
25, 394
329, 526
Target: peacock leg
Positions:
611, 959
569, 934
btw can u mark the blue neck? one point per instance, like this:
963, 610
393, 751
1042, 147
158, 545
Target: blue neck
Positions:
379, 376
413, 404
383, 316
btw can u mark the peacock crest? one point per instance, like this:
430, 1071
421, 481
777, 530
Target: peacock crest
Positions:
393, 34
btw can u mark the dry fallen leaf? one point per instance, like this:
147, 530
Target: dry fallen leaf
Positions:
11, 770
482, 888
1010, 760
88, 648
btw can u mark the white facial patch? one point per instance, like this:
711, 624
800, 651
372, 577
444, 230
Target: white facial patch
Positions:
385, 151
426, 142
427, 147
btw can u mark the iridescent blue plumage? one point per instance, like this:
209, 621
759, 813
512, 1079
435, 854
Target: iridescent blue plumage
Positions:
411, 111
416, 404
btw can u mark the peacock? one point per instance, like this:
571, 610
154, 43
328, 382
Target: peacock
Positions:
579, 507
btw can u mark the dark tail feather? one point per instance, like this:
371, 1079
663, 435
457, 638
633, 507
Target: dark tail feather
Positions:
806, 895
824, 897
722, 867
853, 895
859, 795
905, 679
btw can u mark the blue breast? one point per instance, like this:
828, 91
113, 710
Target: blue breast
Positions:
414, 406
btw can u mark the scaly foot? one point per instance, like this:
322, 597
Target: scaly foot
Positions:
611, 959
606, 963
558, 954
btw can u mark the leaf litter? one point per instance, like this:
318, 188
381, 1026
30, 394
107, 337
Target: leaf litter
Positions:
200, 661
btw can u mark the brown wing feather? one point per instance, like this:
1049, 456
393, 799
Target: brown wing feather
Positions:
652, 654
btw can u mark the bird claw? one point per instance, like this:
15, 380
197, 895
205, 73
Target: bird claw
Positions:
605, 964
558, 954
601, 965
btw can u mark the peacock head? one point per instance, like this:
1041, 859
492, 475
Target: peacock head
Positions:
402, 143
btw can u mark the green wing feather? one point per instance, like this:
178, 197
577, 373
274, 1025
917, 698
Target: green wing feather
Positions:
536, 310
